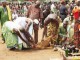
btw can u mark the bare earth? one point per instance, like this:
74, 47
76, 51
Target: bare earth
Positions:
46, 54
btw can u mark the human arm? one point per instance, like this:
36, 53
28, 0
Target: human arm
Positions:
17, 32
46, 22
28, 12
28, 24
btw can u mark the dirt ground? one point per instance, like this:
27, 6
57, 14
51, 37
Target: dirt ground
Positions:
46, 54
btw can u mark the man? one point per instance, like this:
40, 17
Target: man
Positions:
34, 12
63, 10
51, 25
46, 12
5, 13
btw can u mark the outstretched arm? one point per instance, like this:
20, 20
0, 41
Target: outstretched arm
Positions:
46, 22
18, 33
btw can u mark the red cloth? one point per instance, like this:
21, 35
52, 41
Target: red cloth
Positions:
76, 15
76, 12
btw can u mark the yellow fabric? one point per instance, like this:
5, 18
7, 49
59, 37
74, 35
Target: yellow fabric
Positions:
51, 28
9, 13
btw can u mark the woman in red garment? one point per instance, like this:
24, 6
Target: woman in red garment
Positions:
76, 14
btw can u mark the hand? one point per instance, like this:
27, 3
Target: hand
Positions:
36, 26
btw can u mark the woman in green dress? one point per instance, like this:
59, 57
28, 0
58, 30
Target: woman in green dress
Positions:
15, 34
11, 39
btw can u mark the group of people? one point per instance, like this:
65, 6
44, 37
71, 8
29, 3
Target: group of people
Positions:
60, 23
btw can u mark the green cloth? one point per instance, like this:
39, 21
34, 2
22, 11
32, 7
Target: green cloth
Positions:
11, 38
3, 15
51, 28
62, 31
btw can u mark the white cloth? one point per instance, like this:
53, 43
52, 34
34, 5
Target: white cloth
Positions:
36, 21
14, 16
53, 7
21, 21
31, 29
11, 25
66, 19
25, 8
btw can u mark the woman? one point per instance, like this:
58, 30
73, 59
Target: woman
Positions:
15, 34
76, 14
51, 25
11, 39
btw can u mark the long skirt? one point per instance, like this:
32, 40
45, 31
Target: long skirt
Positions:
11, 39
51, 29
76, 35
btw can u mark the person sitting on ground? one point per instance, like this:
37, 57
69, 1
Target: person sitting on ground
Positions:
63, 33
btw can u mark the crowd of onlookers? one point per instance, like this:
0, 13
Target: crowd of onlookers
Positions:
60, 19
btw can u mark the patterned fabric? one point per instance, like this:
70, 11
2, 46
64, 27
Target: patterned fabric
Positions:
51, 29
76, 31
11, 38
76, 34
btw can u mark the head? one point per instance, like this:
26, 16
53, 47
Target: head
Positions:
37, 3
65, 24
63, 2
47, 7
73, 1
4, 3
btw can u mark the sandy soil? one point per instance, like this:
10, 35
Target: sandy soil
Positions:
46, 54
